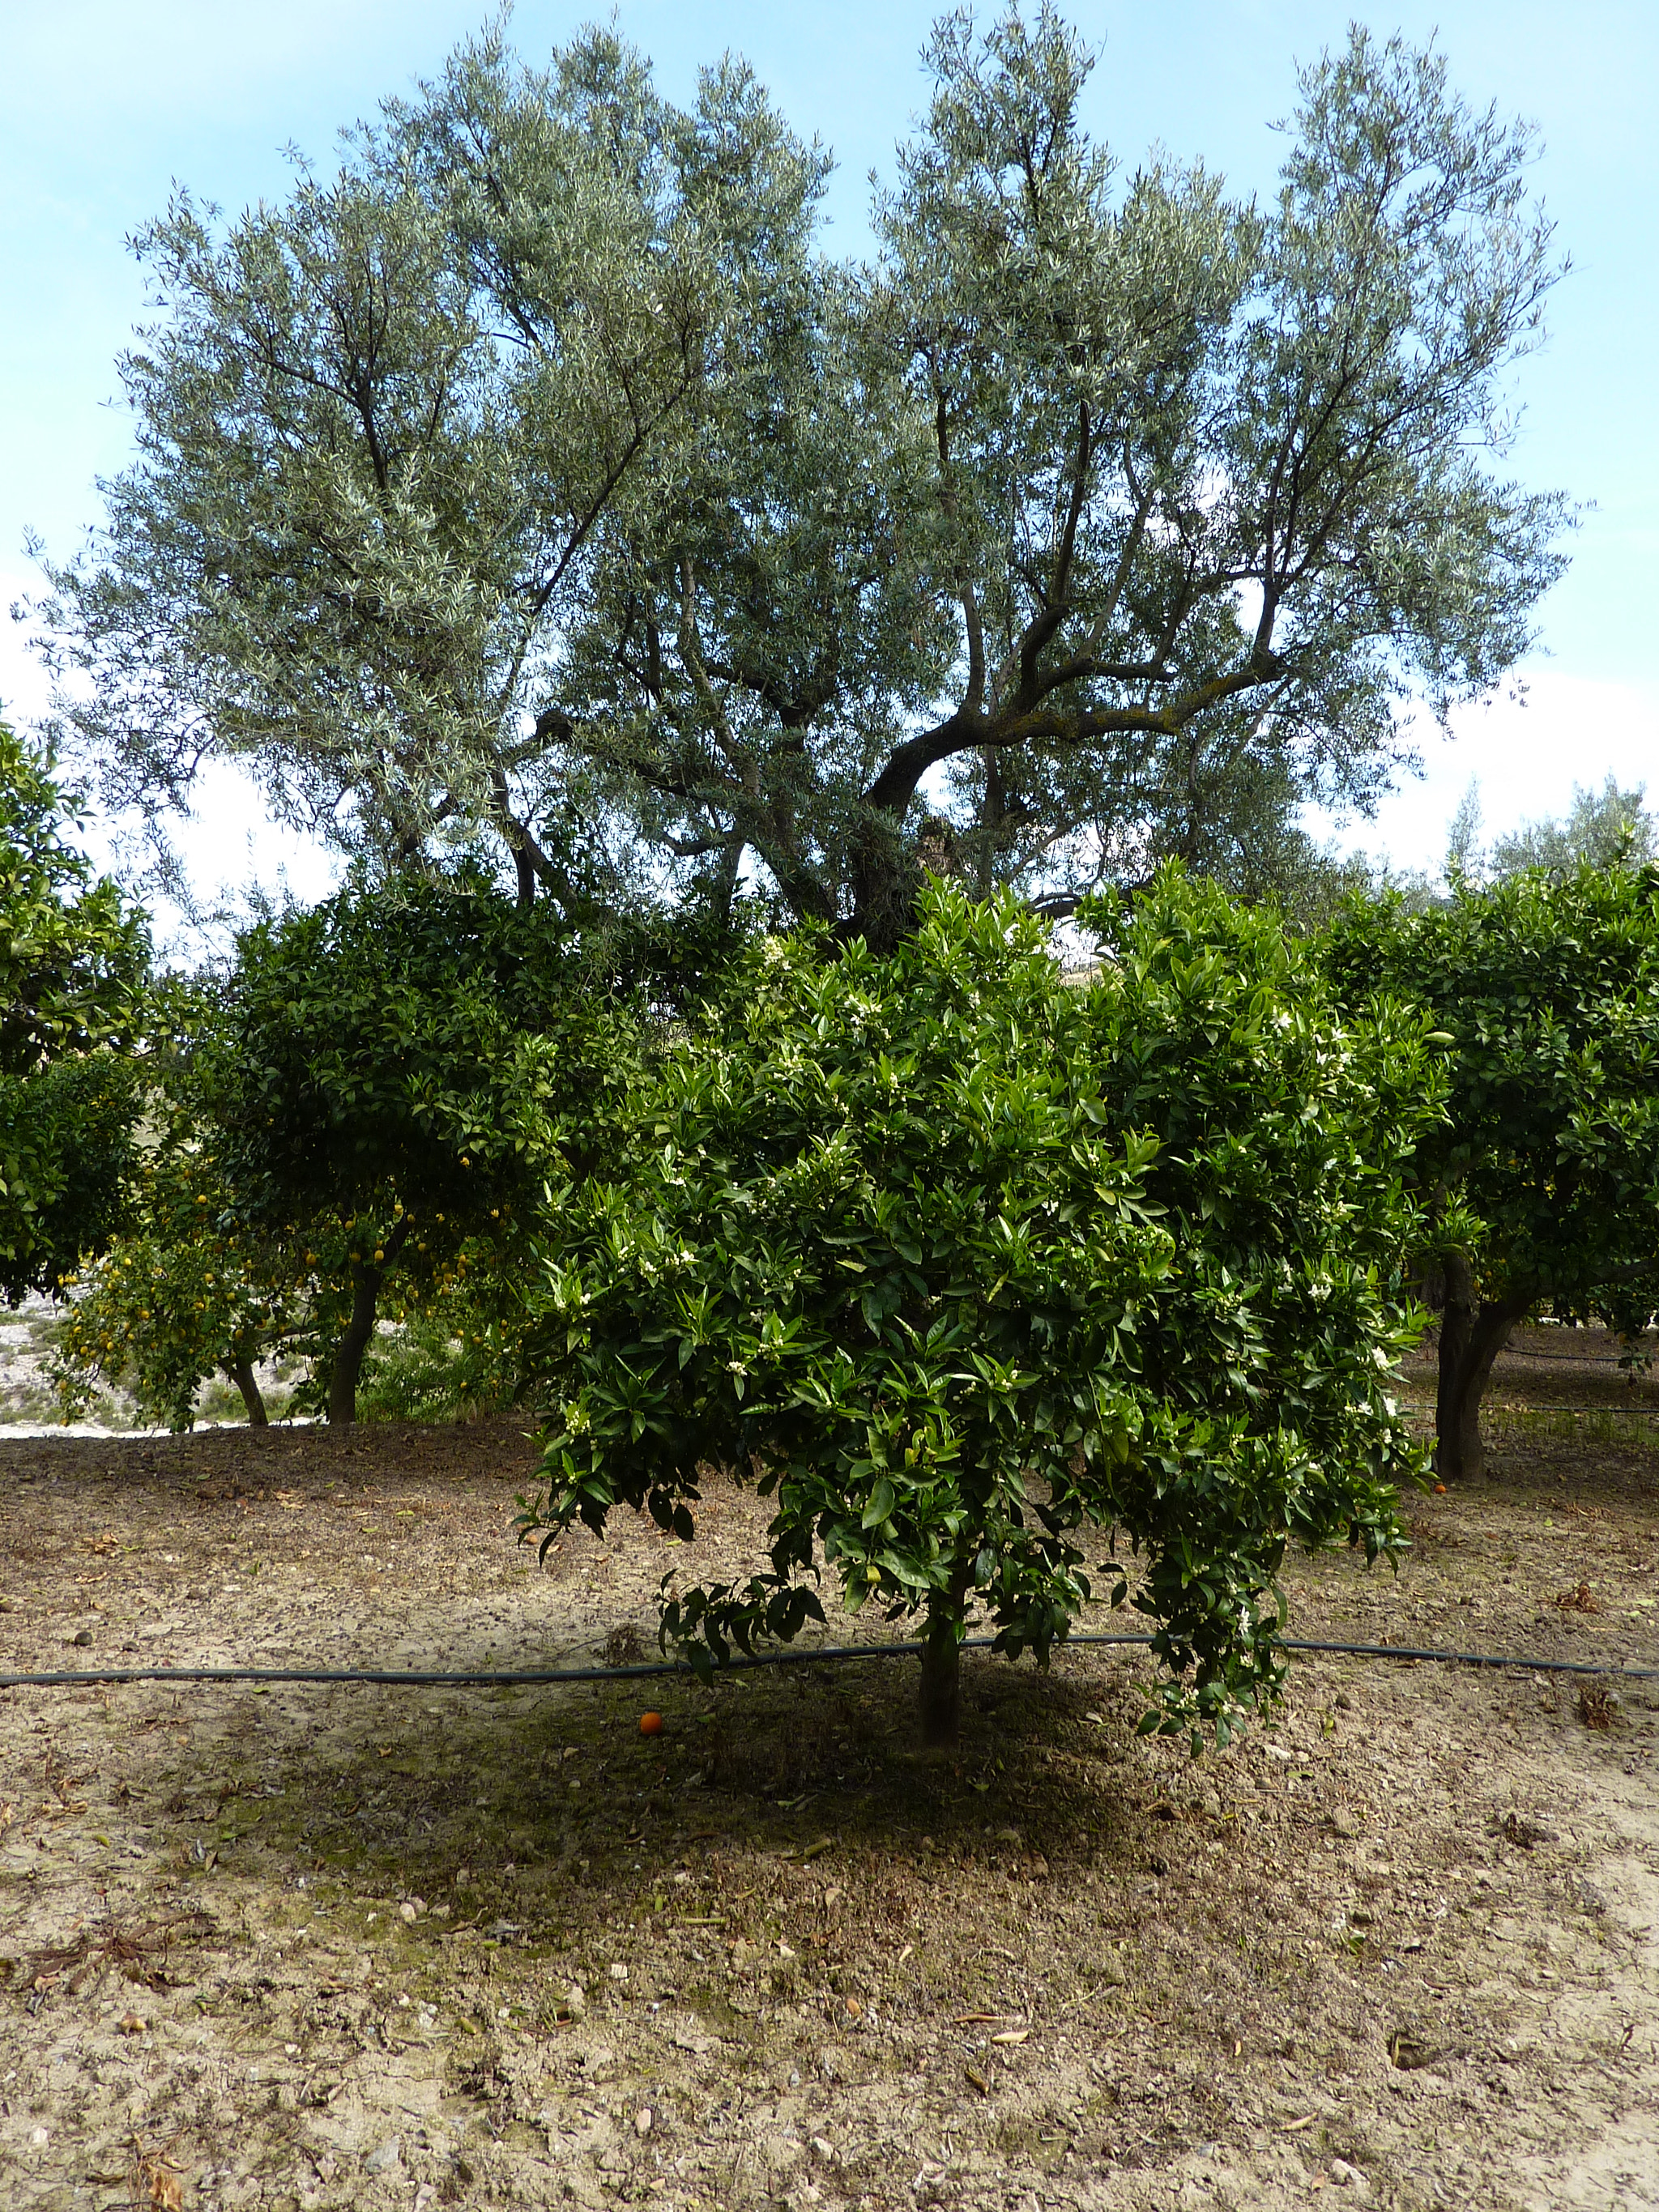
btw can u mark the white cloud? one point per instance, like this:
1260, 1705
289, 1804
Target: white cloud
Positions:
1571, 730
228, 843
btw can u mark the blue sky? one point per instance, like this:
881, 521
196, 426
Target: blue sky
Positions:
109, 104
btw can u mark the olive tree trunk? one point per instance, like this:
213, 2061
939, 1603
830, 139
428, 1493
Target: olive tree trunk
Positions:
1473, 1332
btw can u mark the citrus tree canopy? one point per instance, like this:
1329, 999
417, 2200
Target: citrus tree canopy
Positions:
396, 1071
1543, 1182
74, 977
962, 1263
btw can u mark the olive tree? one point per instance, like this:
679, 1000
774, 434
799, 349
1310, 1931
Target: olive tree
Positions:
378, 429
959, 1262
1152, 506
1607, 829
539, 485
1541, 1186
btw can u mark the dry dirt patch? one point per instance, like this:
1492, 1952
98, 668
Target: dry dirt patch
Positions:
349, 1946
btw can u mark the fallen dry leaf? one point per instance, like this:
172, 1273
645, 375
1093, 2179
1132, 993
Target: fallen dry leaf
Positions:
1406, 2052
1595, 1706
1522, 1834
166, 2190
130, 1951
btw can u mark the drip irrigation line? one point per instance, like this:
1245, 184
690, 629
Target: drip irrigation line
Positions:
1640, 1413
1549, 1406
480, 1678
1567, 1358
1522, 1663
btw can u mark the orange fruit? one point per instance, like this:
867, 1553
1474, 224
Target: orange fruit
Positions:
650, 1724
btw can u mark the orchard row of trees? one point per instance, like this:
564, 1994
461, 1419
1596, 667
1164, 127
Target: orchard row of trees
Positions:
953, 1255
387, 1095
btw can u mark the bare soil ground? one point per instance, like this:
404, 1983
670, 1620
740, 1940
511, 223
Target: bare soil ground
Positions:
363, 1947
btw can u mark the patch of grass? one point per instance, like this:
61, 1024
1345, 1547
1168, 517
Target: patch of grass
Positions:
422, 1371
34, 1406
31, 1403
1629, 1427
46, 1329
220, 1401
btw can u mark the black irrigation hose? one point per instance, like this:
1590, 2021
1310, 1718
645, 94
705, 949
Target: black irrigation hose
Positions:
1568, 1359
1548, 1406
1476, 1659
487, 1680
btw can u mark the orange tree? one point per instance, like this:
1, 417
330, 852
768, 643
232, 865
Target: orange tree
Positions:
359, 1119
193, 1288
397, 1078
73, 983
183, 1293
1542, 1183
962, 1261
191, 1291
